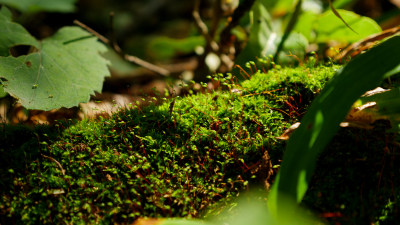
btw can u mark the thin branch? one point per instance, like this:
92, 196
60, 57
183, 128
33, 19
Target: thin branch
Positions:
95, 33
203, 27
119, 51
58, 164
289, 28
113, 41
216, 18
210, 40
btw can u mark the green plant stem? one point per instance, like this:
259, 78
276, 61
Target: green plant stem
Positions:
289, 28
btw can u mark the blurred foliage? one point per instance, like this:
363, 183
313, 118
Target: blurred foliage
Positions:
163, 48
31, 6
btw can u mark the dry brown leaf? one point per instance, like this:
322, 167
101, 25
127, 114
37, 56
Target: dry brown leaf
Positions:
365, 44
286, 134
359, 117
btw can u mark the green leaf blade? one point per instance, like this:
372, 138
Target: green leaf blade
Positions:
322, 120
65, 71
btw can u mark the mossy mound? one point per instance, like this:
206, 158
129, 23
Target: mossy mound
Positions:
179, 158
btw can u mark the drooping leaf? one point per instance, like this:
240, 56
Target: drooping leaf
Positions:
322, 120
329, 27
2, 92
12, 34
41, 5
337, 14
66, 70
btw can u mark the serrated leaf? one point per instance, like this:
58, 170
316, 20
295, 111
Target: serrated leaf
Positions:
330, 27
12, 34
41, 5
65, 71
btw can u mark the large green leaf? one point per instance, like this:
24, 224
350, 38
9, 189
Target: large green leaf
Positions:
322, 120
342, 3
329, 27
41, 5
305, 25
66, 70
12, 34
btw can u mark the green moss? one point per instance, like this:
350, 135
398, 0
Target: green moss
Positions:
179, 158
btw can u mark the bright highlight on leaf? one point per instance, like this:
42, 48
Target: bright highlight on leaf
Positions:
64, 70
328, 27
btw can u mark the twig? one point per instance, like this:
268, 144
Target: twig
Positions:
90, 30
119, 51
289, 28
58, 164
210, 41
203, 27
239, 12
112, 32
217, 15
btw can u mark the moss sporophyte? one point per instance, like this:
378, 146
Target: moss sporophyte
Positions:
187, 157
